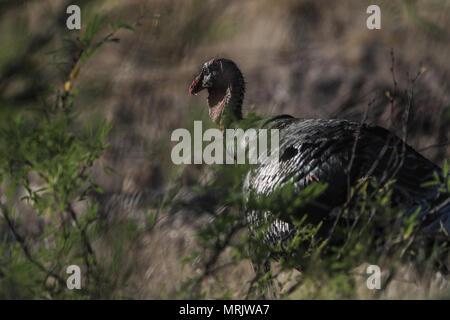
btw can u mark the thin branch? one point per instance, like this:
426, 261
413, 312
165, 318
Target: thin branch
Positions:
24, 247
439, 145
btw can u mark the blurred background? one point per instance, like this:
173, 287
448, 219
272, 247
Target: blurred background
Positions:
307, 58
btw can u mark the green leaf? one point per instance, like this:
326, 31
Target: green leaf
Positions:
430, 183
11, 189
445, 168
122, 25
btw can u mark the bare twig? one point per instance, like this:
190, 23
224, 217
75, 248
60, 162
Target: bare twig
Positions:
439, 145
24, 246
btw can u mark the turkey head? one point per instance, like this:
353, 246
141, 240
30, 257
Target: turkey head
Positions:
226, 88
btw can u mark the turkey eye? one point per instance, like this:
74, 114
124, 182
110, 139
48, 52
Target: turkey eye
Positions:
205, 72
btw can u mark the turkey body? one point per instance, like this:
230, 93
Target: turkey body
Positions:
335, 152
321, 150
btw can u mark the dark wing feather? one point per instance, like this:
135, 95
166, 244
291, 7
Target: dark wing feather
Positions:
321, 150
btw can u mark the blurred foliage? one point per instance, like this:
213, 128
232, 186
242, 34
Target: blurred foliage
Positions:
49, 166
367, 229
48, 152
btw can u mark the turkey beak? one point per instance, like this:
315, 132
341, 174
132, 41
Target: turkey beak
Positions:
197, 85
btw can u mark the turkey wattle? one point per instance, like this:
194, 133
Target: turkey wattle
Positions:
321, 150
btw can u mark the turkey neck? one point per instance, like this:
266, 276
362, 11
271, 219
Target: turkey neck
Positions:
225, 103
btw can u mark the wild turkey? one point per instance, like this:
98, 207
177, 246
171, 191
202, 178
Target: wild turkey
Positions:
321, 150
